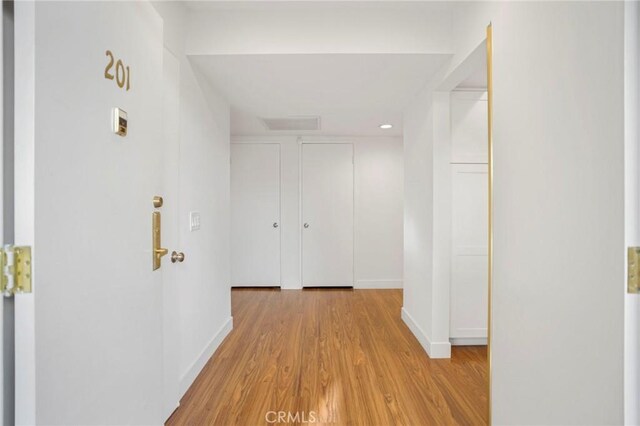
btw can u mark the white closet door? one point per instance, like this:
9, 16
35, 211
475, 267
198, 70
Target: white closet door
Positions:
469, 298
327, 215
255, 215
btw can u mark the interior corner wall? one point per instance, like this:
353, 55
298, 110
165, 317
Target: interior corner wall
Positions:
204, 175
378, 208
442, 223
417, 311
427, 221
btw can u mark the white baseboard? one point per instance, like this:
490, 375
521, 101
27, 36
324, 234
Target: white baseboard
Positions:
468, 341
288, 286
378, 284
188, 378
433, 349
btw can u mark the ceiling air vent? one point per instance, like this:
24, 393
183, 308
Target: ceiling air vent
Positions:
292, 123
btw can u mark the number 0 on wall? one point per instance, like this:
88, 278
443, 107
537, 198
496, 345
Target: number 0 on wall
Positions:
123, 74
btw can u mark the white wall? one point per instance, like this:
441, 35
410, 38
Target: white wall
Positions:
468, 126
447, 138
558, 214
204, 187
204, 299
378, 209
632, 208
379, 206
418, 223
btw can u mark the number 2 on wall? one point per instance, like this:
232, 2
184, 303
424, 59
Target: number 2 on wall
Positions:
123, 75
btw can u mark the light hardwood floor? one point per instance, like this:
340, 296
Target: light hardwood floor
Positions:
334, 356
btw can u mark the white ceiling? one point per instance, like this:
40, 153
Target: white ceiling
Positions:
352, 93
216, 5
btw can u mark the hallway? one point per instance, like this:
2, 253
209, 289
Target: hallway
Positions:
353, 212
341, 356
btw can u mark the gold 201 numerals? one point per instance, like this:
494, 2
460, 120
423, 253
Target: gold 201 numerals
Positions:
122, 75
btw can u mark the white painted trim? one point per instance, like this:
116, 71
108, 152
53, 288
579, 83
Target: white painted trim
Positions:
473, 95
350, 139
378, 284
468, 341
469, 333
256, 284
263, 139
280, 213
315, 139
469, 159
632, 207
471, 90
291, 287
300, 219
5, 385
192, 372
24, 164
433, 349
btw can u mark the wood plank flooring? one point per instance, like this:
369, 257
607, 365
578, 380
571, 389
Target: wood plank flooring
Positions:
331, 356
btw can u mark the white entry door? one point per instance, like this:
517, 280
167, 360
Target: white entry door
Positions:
255, 215
327, 215
171, 288
469, 285
89, 337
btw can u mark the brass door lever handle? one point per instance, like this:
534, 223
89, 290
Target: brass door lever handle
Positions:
157, 251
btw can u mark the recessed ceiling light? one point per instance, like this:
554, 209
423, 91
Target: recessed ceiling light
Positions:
386, 126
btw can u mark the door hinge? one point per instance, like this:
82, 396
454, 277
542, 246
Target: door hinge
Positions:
15, 270
633, 264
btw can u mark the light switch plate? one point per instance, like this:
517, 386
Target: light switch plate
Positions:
194, 221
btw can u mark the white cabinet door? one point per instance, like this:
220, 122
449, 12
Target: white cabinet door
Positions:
327, 215
469, 258
255, 215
